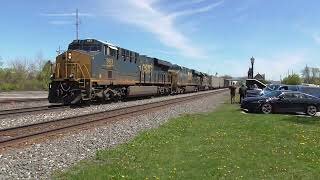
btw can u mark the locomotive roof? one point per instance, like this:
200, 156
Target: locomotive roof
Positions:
109, 44
95, 40
163, 63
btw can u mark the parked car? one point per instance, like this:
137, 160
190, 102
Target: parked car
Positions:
254, 87
314, 91
283, 101
269, 88
254, 92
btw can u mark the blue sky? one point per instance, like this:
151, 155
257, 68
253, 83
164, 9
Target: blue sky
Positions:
208, 35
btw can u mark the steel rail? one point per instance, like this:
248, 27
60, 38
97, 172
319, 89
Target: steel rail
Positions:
22, 134
20, 111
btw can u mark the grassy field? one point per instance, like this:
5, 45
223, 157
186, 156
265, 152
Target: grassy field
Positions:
226, 144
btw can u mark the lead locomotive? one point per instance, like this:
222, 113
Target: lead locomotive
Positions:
93, 70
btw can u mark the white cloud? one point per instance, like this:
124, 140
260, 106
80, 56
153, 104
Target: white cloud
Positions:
197, 10
60, 22
145, 15
187, 3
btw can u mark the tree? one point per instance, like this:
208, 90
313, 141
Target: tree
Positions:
314, 75
1, 63
306, 74
44, 74
293, 79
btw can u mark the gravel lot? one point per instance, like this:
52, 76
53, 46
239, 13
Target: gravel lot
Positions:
12, 121
40, 160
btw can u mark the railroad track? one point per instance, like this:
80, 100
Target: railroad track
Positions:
13, 137
21, 111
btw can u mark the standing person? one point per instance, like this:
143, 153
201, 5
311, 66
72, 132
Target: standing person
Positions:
232, 93
242, 92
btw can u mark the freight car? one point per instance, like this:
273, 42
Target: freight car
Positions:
96, 70
217, 82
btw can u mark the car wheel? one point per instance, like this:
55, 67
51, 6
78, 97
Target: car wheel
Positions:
311, 110
266, 108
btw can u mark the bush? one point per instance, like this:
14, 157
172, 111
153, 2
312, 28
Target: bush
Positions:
293, 79
7, 87
21, 75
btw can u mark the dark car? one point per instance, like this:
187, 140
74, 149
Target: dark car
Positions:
283, 101
254, 92
314, 91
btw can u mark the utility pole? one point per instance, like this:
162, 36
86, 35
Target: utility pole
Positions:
77, 24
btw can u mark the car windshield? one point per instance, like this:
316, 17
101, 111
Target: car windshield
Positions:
271, 87
272, 94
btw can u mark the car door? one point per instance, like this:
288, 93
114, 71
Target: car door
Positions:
299, 102
286, 102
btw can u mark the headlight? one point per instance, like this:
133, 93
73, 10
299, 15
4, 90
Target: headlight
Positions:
52, 77
69, 56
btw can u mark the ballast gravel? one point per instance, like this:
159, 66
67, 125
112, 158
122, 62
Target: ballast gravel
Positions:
13, 121
39, 161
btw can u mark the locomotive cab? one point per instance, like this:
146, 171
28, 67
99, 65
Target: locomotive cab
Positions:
71, 80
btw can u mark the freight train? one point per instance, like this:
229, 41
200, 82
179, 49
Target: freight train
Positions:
94, 70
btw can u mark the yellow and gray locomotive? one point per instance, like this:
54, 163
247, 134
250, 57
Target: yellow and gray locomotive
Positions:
96, 70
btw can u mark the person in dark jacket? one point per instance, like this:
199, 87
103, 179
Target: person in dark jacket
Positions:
242, 92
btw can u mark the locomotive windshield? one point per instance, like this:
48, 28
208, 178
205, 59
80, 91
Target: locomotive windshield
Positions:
85, 46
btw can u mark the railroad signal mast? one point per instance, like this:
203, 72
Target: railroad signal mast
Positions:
77, 24
77, 29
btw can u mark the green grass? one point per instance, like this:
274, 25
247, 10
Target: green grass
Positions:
225, 144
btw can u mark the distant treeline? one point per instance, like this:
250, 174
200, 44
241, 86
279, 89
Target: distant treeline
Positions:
310, 75
24, 74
